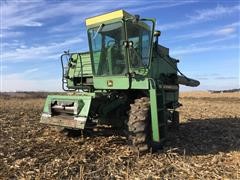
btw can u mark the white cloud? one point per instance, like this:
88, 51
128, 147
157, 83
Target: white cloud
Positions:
10, 34
220, 10
3, 67
216, 40
202, 16
20, 83
80, 13
34, 13
196, 49
158, 5
12, 45
49, 51
19, 13
29, 71
225, 31
220, 33
37, 13
34, 24
25, 73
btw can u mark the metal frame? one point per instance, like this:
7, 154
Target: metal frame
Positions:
147, 81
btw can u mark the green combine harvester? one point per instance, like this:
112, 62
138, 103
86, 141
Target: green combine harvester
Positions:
126, 81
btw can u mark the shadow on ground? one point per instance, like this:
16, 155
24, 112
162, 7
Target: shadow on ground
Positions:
206, 136
195, 137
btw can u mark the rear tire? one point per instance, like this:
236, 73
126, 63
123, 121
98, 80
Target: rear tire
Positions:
175, 120
139, 126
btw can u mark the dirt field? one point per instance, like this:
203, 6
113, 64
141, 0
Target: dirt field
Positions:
206, 147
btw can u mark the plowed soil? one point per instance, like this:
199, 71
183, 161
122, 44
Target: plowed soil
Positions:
207, 145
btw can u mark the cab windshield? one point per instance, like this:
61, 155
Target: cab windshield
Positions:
107, 51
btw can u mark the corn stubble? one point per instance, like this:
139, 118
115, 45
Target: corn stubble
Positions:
206, 146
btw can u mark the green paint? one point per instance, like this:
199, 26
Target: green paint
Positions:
124, 59
118, 82
154, 112
83, 101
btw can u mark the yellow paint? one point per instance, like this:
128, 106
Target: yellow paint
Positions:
106, 17
109, 83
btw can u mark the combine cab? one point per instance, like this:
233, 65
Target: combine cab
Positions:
126, 80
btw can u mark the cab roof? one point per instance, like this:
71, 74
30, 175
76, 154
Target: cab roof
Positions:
112, 16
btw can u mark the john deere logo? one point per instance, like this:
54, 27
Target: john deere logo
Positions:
109, 83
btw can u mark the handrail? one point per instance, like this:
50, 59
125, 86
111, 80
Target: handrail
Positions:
80, 59
64, 73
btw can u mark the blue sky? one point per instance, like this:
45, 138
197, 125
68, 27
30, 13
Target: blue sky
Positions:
204, 35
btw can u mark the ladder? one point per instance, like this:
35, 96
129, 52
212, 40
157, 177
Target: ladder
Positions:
161, 113
158, 112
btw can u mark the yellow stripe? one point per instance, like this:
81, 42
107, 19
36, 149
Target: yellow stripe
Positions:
105, 17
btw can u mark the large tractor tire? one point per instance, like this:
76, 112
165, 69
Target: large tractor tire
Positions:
139, 126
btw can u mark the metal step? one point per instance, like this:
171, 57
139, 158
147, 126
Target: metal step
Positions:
162, 125
160, 109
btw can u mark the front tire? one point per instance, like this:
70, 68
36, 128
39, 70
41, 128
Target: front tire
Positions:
139, 126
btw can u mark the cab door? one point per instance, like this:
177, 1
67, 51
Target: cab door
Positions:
139, 37
140, 43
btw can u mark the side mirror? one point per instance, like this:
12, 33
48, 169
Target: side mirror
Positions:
136, 19
66, 52
130, 44
127, 44
157, 33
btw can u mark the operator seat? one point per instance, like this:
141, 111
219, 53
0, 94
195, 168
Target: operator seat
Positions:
116, 62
